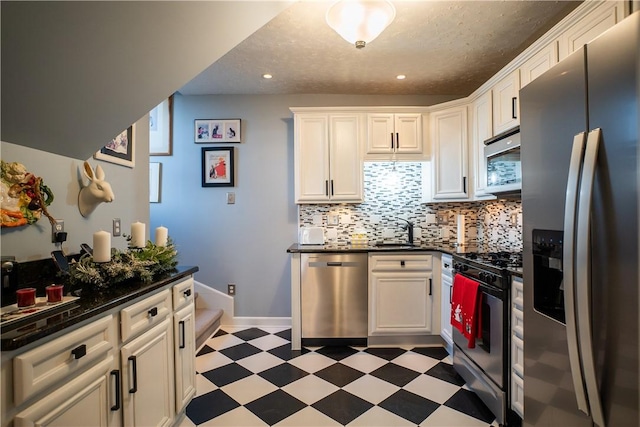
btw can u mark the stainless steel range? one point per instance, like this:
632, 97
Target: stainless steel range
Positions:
484, 367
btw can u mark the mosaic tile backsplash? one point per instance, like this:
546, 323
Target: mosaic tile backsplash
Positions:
394, 191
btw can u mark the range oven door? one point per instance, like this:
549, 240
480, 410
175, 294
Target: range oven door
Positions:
488, 353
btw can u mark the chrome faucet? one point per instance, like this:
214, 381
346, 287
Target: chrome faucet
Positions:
409, 228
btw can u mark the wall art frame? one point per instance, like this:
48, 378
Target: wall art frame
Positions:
161, 129
120, 150
155, 182
206, 131
218, 167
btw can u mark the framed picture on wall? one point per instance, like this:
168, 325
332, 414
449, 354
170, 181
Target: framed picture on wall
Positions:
217, 167
155, 183
121, 149
161, 128
216, 130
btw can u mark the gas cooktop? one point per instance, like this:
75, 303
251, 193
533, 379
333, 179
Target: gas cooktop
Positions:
499, 259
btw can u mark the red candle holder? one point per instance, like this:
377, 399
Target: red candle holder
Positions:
26, 297
54, 293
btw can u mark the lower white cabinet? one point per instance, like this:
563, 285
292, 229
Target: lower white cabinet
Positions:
517, 346
400, 294
445, 302
185, 355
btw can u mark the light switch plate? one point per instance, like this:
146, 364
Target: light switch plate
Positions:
333, 220
117, 227
231, 198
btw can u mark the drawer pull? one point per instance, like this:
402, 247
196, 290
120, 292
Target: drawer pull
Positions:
402, 263
153, 312
134, 374
116, 373
79, 351
182, 334
187, 293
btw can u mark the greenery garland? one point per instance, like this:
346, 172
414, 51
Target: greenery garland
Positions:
140, 264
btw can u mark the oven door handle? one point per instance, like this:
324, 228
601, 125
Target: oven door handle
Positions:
568, 266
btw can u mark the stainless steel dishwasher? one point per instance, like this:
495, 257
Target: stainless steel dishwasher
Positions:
334, 298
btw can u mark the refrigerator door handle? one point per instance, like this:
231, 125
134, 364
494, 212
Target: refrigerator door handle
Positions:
568, 266
583, 274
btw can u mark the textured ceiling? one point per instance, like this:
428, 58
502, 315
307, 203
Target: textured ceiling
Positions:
443, 47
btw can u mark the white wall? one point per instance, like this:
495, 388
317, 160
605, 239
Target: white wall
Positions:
243, 243
62, 175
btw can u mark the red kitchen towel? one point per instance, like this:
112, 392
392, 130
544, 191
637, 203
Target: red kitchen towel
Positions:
457, 301
471, 315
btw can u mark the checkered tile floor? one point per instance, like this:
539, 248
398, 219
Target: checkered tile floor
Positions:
251, 377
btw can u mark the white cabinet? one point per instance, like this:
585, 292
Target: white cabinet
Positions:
542, 61
184, 352
584, 30
328, 164
446, 331
517, 346
449, 142
505, 103
389, 133
482, 129
400, 294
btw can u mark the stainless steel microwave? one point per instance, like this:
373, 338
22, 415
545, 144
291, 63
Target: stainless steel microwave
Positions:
504, 170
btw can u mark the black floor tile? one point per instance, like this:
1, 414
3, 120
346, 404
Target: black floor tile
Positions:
445, 372
337, 352
284, 352
409, 406
386, 353
220, 333
275, 407
227, 374
286, 334
208, 406
284, 374
250, 334
339, 374
240, 351
204, 350
395, 374
438, 353
342, 406
469, 403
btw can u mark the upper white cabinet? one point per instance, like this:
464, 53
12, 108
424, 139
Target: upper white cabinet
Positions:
328, 164
546, 58
505, 103
482, 129
399, 133
449, 143
596, 22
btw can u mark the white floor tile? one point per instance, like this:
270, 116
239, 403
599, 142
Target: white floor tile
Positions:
432, 388
186, 422
274, 329
249, 389
447, 417
371, 389
378, 417
210, 361
312, 362
223, 341
448, 360
308, 417
310, 389
260, 362
364, 362
239, 417
203, 385
415, 361
268, 342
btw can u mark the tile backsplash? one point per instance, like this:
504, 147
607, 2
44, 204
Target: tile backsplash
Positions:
394, 190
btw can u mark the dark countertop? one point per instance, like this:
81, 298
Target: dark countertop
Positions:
89, 305
445, 248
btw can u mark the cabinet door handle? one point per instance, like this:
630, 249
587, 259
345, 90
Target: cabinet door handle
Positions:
464, 184
397, 140
187, 293
134, 374
182, 334
513, 107
79, 352
430, 286
392, 145
116, 374
326, 187
153, 312
332, 187
450, 296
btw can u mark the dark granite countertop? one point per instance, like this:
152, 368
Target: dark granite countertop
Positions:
89, 305
439, 247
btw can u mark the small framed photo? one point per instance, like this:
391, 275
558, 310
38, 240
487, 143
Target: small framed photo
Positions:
121, 149
217, 167
155, 181
161, 128
211, 130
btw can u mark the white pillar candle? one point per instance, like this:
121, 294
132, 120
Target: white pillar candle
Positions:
101, 246
138, 235
162, 233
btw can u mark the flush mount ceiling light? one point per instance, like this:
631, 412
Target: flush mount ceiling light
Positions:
267, 76
360, 21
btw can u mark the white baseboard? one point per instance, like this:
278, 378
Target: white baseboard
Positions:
259, 321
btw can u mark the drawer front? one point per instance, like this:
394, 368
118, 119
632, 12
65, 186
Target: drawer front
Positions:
143, 315
517, 323
183, 294
517, 395
517, 356
401, 262
56, 361
517, 293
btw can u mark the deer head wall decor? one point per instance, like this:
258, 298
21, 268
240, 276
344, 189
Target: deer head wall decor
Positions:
97, 191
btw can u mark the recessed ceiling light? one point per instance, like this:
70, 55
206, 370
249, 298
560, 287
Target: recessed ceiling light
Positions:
267, 76
401, 77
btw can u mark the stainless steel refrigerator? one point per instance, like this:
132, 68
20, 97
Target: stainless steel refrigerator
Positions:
580, 123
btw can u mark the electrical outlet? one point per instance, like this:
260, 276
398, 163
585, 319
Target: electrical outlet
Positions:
514, 219
117, 229
231, 288
231, 198
442, 219
58, 227
333, 219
